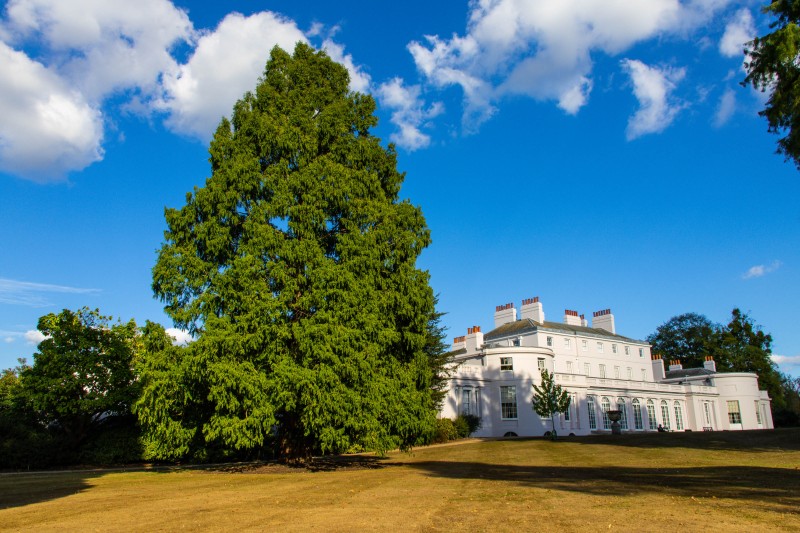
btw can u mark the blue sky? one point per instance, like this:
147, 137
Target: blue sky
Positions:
595, 154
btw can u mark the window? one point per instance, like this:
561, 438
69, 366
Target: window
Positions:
641, 352
507, 363
758, 413
587, 369
566, 413
606, 406
665, 413
585, 346
599, 347
549, 341
651, 414
707, 411
734, 415
627, 350
602, 371
644, 375
678, 416
568, 343
569, 367
466, 407
515, 342
623, 421
476, 410
540, 364
508, 403
616, 372
637, 414
630, 373
613, 348
592, 415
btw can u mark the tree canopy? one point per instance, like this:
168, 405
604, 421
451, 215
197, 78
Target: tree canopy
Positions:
772, 66
295, 268
688, 337
549, 399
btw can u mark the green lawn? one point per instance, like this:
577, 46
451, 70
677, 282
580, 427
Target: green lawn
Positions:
746, 481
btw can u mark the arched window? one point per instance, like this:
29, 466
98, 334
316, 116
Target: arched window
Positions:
606, 406
665, 413
592, 415
637, 414
651, 414
623, 421
678, 416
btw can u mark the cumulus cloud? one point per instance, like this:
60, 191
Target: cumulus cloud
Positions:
33, 294
725, 109
409, 113
652, 87
359, 80
179, 336
226, 63
34, 336
758, 271
740, 30
48, 129
543, 49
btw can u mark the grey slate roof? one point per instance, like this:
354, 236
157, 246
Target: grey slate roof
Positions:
687, 373
527, 325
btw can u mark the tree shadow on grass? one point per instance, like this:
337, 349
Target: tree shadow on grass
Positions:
17, 490
318, 464
773, 487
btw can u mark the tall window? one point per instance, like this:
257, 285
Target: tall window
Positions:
734, 415
758, 414
508, 402
644, 375
707, 412
641, 352
651, 414
600, 347
466, 406
592, 415
569, 367
602, 371
623, 421
613, 348
567, 343
585, 345
630, 373
678, 416
540, 363
616, 372
550, 341
627, 350
566, 413
637, 414
507, 363
665, 413
606, 406
587, 368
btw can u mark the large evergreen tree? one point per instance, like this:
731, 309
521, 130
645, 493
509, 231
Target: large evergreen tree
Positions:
295, 267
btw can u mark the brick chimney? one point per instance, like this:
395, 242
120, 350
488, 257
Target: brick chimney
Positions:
503, 314
571, 318
658, 367
474, 339
604, 320
532, 308
675, 364
584, 322
709, 364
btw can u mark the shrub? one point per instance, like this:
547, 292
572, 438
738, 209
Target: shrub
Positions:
445, 431
466, 425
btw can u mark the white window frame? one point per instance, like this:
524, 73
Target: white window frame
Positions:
506, 364
567, 343
569, 367
678, 416
652, 421
592, 412
508, 392
734, 412
599, 347
587, 368
627, 350
637, 414
585, 346
550, 342
616, 372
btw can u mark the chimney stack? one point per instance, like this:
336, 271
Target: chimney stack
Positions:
604, 320
571, 318
675, 364
709, 364
532, 308
474, 339
658, 367
503, 314
584, 322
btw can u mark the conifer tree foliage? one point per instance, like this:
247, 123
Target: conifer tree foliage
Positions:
295, 268
549, 399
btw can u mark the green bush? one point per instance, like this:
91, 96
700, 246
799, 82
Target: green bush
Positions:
466, 425
445, 431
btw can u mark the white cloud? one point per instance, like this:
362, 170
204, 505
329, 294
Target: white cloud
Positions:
652, 87
179, 336
726, 108
359, 80
409, 113
225, 64
738, 31
34, 336
30, 294
48, 129
543, 49
758, 271
9, 339
786, 359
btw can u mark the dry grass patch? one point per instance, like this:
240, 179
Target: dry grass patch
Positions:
713, 481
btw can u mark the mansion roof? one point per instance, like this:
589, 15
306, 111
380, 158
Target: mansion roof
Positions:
526, 325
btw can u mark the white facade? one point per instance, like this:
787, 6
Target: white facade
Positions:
493, 377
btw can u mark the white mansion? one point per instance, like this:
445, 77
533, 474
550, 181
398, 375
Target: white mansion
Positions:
493, 377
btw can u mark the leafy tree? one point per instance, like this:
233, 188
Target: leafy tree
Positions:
688, 338
295, 268
82, 372
772, 66
549, 399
